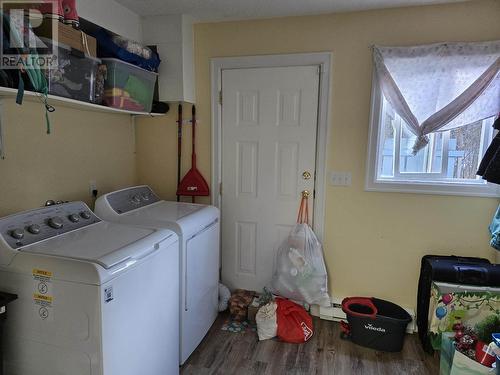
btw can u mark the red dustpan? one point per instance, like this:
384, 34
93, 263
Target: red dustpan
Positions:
193, 184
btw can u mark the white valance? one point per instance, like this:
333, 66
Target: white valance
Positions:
441, 86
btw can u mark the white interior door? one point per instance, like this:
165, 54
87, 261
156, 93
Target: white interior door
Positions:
269, 126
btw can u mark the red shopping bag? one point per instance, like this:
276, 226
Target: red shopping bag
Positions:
294, 322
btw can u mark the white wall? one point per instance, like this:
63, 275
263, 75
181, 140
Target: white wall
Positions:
173, 35
188, 80
113, 16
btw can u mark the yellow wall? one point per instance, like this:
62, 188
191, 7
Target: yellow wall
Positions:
373, 241
83, 146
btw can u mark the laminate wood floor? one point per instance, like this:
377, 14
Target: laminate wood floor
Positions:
223, 352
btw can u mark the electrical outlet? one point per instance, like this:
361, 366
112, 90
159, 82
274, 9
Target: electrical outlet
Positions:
341, 178
92, 187
348, 179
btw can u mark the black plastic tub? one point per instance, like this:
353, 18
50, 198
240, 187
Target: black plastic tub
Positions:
5, 299
375, 323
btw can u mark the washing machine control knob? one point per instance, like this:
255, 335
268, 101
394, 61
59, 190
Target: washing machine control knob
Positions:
74, 218
136, 199
34, 229
85, 215
55, 222
18, 234
146, 196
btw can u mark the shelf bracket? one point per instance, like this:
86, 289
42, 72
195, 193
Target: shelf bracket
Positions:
2, 138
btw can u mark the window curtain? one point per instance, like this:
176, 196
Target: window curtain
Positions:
439, 87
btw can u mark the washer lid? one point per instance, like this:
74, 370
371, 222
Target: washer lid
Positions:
104, 243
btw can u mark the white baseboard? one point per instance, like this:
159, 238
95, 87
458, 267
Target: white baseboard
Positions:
335, 313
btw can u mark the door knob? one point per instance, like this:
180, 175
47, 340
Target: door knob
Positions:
306, 175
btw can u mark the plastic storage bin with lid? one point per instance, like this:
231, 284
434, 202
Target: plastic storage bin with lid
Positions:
73, 74
128, 86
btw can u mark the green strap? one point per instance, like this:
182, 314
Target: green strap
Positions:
47, 120
48, 107
37, 79
20, 90
43, 89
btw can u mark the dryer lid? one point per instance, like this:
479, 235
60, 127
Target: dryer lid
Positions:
104, 243
167, 211
142, 201
183, 218
146, 210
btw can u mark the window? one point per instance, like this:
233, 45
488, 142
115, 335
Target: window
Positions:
452, 155
432, 110
447, 165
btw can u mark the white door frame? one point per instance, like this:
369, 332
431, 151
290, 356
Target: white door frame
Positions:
321, 59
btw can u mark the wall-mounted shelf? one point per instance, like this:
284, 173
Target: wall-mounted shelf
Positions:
56, 101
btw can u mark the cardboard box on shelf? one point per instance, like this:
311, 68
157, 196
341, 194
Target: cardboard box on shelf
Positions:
69, 36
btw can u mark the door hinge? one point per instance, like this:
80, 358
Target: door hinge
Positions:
220, 97
319, 69
220, 188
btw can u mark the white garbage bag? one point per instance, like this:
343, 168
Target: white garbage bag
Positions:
224, 296
300, 273
267, 324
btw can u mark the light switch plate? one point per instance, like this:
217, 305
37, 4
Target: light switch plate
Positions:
340, 178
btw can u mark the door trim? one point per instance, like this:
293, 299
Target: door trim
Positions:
321, 59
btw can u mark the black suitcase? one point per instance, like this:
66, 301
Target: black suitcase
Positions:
450, 269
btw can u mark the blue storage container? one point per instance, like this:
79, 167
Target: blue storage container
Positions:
107, 48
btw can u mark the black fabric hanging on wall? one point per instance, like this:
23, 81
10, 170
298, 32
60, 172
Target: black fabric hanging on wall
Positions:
489, 168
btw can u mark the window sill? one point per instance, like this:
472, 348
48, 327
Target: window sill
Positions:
435, 188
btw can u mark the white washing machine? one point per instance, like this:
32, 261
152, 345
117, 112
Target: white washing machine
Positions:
94, 298
198, 229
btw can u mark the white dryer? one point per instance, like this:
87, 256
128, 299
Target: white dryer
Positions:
94, 298
198, 229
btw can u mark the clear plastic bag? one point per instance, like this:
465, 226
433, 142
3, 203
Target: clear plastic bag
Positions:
300, 273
